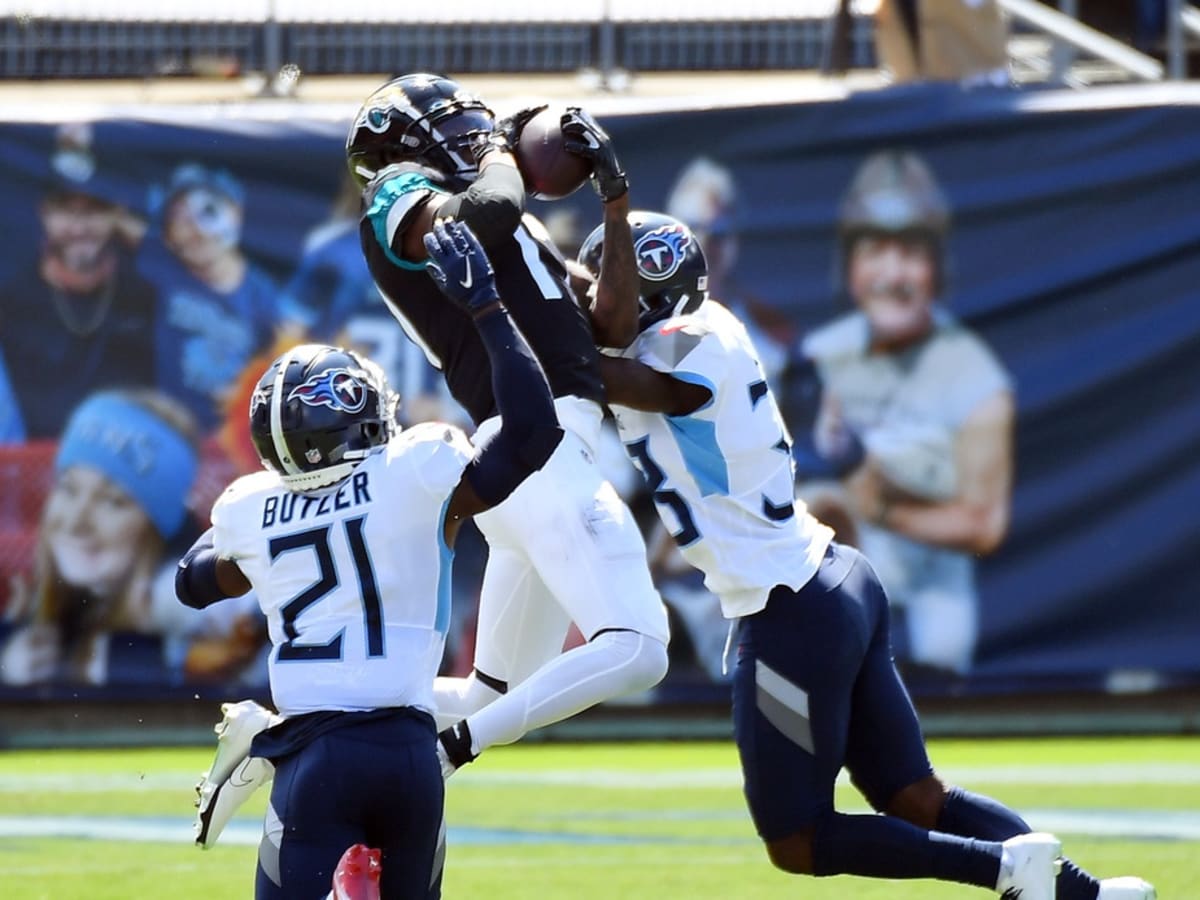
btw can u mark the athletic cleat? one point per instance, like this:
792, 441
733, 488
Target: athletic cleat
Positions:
1029, 867
357, 874
234, 774
1127, 887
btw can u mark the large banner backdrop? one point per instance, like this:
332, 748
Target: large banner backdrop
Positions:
1026, 478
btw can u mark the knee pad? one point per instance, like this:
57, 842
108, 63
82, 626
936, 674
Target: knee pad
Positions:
642, 660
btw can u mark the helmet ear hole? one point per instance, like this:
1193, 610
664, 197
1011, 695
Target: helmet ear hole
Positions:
371, 432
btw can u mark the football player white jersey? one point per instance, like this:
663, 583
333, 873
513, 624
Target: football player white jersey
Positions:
354, 579
722, 476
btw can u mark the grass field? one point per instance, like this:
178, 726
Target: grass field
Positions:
590, 821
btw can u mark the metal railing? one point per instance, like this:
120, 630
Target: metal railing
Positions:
41, 47
1189, 18
1181, 18
146, 38
1070, 32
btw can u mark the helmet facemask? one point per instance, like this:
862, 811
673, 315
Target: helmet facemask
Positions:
452, 132
670, 303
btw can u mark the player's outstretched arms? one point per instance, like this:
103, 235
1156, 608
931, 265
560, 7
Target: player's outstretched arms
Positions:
614, 311
529, 430
203, 577
628, 382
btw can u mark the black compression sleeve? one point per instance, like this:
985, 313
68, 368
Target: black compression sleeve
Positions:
492, 206
529, 430
196, 576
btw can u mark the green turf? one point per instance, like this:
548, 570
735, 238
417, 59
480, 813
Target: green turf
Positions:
661, 821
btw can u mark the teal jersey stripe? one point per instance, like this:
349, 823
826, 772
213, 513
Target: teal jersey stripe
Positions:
404, 189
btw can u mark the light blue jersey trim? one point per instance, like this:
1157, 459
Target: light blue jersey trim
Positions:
387, 196
697, 441
441, 620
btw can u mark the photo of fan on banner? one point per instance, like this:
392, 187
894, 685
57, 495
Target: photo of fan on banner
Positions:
96, 604
914, 414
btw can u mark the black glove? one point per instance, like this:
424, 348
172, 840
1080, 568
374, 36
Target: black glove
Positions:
510, 128
504, 134
584, 137
460, 267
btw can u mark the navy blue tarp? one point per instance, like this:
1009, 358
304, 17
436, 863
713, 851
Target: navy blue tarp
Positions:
1074, 252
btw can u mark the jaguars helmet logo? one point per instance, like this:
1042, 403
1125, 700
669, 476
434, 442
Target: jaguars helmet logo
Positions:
339, 389
660, 252
376, 113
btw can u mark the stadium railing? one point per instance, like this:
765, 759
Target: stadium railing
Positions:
140, 38
103, 39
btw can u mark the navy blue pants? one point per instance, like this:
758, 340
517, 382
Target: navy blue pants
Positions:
815, 689
373, 781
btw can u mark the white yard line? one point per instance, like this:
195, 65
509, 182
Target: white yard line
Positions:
1100, 774
1127, 824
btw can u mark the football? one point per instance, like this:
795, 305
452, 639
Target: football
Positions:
550, 172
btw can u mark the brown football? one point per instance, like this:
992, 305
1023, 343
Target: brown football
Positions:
550, 172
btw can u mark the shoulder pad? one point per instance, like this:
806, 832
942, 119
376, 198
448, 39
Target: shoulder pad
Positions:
434, 179
382, 192
670, 342
390, 201
246, 485
434, 432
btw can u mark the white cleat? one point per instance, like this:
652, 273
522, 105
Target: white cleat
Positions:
1030, 867
234, 774
1126, 887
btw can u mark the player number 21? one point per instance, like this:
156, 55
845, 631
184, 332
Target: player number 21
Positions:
317, 540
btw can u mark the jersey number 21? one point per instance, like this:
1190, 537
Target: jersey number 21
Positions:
317, 540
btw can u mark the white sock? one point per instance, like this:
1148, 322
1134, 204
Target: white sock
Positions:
1006, 871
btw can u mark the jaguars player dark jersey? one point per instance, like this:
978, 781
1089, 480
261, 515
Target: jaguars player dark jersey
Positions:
564, 549
530, 274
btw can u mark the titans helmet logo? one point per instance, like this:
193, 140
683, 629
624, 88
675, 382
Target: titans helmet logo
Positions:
660, 252
339, 389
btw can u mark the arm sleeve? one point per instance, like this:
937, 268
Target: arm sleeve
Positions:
196, 575
529, 431
492, 206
